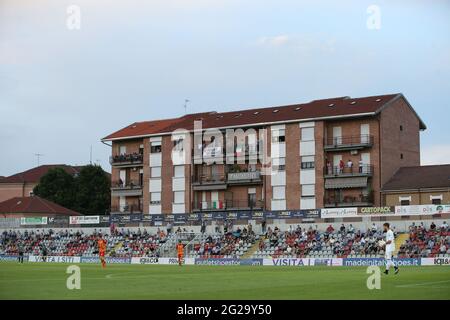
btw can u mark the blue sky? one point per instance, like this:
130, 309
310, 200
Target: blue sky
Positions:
62, 90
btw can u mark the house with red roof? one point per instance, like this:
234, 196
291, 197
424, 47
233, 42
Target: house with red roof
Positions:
19, 207
22, 184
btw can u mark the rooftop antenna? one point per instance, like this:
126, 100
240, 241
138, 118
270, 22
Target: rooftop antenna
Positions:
185, 105
38, 156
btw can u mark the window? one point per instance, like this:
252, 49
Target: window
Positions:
155, 172
155, 147
436, 201
278, 192
278, 136
178, 197
308, 190
404, 202
401, 128
308, 162
178, 171
308, 134
178, 145
279, 164
155, 197
401, 155
122, 150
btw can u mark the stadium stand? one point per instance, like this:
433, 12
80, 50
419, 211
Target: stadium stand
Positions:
295, 242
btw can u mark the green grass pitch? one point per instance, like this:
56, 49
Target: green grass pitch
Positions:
48, 281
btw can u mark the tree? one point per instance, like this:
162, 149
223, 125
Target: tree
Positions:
92, 191
57, 186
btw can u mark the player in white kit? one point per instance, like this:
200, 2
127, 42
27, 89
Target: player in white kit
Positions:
390, 248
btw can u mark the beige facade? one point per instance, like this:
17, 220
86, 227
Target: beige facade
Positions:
417, 197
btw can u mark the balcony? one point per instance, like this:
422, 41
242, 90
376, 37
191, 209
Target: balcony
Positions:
247, 177
228, 205
127, 189
348, 201
353, 171
209, 182
133, 208
348, 142
127, 160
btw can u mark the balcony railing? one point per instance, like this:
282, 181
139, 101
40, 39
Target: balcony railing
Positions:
348, 171
209, 179
220, 205
126, 185
126, 159
133, 208
129, 188
349, 142
348, 201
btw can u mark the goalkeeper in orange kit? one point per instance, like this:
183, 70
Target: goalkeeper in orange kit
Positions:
101, 250
180, 251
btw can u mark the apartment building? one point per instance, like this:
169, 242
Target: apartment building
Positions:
327, 153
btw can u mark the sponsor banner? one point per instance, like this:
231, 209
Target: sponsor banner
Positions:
146, 218
144, 260
435, 261
104, 219
421, 210
376, 211
157, 217
331, 262
311, 214
12, 258
111, 260
136, 217
232, 215
54, 259
352, 262
251, 262
25, 221
58, 220
84, 220
168, 217
192, 217
284, 215
298, 262
219, 216
180, 218
338, 213
244, 215
187, 261
218, 262
209, 216
271, 214
257, 215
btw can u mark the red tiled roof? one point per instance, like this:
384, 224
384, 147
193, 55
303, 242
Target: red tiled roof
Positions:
341, 106
420, 177
34, 175
32, 205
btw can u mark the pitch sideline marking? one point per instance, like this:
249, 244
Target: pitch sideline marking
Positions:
421, 284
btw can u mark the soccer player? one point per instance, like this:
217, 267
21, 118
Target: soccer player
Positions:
21, 250
180, 251
389, 249
101, 250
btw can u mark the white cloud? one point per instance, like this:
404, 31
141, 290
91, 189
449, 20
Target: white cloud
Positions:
435, 154
274, 41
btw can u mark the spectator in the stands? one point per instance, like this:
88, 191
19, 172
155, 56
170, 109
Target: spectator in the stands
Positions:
432, 226
330, 229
